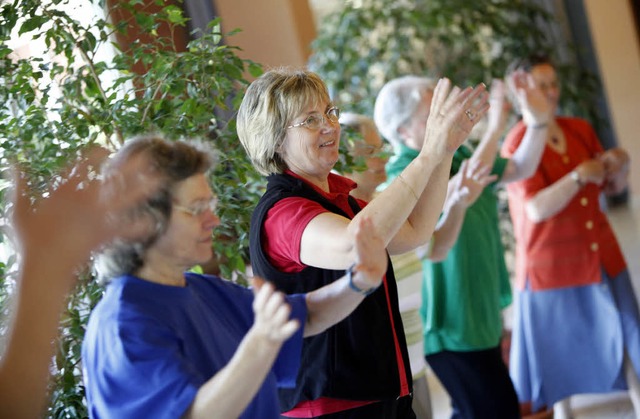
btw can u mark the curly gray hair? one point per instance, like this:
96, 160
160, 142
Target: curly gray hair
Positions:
173, 161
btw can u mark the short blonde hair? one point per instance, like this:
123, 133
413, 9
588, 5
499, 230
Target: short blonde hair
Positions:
268, 107
396, 103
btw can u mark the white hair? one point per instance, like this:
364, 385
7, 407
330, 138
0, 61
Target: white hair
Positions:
397, 102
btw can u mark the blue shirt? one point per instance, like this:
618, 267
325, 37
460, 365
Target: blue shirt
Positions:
149, 347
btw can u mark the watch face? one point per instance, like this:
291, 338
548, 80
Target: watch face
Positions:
575, 176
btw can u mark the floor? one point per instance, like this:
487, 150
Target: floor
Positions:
626, 223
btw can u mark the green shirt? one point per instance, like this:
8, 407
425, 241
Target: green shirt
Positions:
462, 296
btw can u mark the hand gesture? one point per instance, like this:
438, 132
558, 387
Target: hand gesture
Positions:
453, 114
272, 312
371, 255
591, 171
499, 107
534, 105
470, 181
616, 167
81, 211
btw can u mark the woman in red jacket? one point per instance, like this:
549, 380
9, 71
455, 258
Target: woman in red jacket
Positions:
576, 321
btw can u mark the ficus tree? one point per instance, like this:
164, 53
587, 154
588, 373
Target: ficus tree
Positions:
87, 88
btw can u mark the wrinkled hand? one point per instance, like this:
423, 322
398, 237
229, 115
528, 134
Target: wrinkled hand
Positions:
271, 313
535, 107
499, 108
371, 255
81, 211
472, 178
454, 112
591, 171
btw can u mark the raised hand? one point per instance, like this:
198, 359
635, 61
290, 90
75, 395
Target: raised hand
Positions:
472, 178
271, 313
534, 105
371, 256
454, 112
82, 211
500, 107
616, 167
592, 171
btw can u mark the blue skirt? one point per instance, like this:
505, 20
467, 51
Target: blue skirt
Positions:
572, 340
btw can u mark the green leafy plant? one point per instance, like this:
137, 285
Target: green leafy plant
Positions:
76, 94
365, 43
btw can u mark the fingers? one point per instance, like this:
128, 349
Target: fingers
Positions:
130, 183
121, 193
272, 313
464, 169
261, 291
440, 93
474, 102
370, 254
485, 180
497, 90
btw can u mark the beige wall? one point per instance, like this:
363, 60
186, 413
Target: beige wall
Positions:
274, 32
618, 51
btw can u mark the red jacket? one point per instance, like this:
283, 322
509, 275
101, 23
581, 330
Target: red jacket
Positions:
572, 247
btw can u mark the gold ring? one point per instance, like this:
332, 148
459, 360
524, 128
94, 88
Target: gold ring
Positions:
470, 114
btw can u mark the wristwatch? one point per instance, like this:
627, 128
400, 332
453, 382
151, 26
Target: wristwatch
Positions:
576, 177
350, 272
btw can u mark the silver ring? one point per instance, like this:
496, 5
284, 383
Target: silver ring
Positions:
470, 114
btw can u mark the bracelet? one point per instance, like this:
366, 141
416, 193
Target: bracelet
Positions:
350, 272
408, 187
540, 125
576, 177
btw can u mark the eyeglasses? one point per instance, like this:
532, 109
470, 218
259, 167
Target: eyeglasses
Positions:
200, 208
317, 120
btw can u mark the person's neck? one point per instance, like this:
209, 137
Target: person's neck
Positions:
319, 181
161, 272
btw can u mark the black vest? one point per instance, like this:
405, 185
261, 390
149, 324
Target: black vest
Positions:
356, 358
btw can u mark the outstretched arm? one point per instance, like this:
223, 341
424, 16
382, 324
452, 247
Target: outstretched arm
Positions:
406, 212
464, 189
259, 348
555, 197
54, 236
332, 303
536, 113
497, 116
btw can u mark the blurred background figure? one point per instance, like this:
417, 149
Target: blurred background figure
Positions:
573, 288
466, 284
